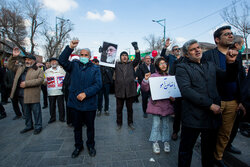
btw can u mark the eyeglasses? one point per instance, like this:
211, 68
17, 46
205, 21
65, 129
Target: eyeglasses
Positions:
228, 33
176, 49
161, 64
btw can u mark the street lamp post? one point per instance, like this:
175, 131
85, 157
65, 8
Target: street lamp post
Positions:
164, 26
59, 18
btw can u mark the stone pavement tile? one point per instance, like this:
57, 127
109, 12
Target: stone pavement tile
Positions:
67, 132
100, 157
79, 165
69, 139
50, 154
14, 158
104, 149
147, 163
104, 164
45, 162
124, 156
119, 163
142, 146
47, 141
135, 163
66, 149
31, 160
75, 161
167, 162
196, 160
34, 148
243, 143
89, 164
147, 154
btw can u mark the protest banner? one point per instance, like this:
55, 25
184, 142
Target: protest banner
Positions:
163, 87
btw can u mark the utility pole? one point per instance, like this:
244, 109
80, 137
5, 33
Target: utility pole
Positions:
164, 26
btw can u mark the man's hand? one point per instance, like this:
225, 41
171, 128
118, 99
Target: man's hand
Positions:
81, 96
215, 108
16, 52
172, 98
167, 43
74, 43
231, 56
241, 107
22, 84
147, 75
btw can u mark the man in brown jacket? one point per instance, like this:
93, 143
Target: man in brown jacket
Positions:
125, 88
27, 83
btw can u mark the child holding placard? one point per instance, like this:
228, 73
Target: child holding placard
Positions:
160, 109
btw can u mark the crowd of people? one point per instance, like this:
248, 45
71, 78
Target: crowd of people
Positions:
212, 83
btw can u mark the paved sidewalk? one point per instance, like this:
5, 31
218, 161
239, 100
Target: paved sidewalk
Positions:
54, 145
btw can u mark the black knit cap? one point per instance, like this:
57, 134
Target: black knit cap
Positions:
124, 52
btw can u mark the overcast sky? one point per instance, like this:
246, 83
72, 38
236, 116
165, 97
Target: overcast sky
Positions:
121, 22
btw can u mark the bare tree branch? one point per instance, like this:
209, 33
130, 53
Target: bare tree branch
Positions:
240, 21
33, 14
55, 45
12, 24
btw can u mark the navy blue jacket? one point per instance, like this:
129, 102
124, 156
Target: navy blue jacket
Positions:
213, 56
169, 58
84, 78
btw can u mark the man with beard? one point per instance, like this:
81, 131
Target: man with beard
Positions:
125, 88
229, 91
27, 84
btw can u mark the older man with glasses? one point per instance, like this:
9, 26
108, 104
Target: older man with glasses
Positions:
176, 53
144, 68
174, 59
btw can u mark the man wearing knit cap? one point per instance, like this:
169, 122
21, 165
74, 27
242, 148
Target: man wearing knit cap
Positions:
125, 88
84, 85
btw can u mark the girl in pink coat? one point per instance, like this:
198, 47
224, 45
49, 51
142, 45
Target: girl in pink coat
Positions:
160, 109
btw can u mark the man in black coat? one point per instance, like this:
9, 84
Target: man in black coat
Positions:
125, 88
229, 91
5, 92
143, 69
201, 113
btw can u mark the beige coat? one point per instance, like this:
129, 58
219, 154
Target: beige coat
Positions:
33, 81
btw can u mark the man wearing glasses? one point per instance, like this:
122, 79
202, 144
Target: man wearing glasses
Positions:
144, 68
172, 60
229, 90
176, 53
